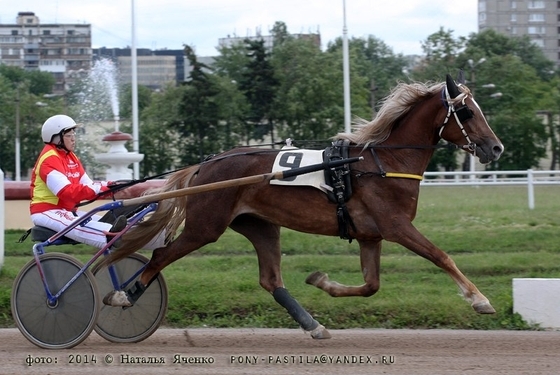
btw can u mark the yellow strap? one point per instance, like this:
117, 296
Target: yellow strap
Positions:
404, 175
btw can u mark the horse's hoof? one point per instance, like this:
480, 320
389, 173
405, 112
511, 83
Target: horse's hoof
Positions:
484, 308
320, 333
316, 277
117, 299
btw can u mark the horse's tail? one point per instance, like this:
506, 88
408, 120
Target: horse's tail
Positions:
168, 216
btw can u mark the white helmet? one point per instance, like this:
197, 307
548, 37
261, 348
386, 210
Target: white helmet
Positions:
55, 125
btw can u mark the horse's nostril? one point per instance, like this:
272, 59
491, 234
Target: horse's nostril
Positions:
498, 149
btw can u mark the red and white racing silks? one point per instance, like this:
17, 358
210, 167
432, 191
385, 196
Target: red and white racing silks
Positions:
58, 183
59, 180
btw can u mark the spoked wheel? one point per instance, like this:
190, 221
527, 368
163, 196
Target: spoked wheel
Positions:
71, 319
138, 322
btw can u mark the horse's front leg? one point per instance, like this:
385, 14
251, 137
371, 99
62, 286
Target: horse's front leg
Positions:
408, 236
265, 237
370, 255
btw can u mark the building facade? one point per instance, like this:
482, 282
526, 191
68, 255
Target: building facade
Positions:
230, 41
539, 20
154, 68
60, 49
152, 71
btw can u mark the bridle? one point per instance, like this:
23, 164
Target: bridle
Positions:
461, 113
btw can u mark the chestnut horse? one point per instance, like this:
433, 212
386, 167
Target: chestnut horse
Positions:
397, 146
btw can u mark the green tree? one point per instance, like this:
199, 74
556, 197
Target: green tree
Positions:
258, 83
360, 84
309, 101
159, 139
198, 112
524, 76
22, 100
375, 61
513, 116
234, 107
515, 69
441, 51
27, 109
39, 83
125, 100
490, 43
280, 33
231, 62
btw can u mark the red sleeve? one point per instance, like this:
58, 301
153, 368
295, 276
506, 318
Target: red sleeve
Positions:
65, 183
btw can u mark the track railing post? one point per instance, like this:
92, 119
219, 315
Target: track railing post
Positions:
530, 189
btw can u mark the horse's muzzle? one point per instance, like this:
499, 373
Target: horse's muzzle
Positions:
489, 152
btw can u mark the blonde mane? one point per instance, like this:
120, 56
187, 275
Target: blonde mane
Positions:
399, 102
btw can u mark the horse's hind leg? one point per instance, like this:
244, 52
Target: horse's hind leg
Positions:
265, 237
370, 255
188, 241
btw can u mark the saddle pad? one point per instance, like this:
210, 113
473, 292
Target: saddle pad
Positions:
293, 157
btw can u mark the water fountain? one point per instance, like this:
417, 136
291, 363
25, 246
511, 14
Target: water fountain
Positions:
118, 158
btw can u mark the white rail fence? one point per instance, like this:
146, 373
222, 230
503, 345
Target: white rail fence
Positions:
529, 178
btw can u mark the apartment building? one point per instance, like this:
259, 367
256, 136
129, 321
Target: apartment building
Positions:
268, 39
540, 20
60, 49
154, 68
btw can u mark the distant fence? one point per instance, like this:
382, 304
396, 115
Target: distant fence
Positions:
529, 178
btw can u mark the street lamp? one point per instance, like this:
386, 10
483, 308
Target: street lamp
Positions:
134, 73
345, 71
18, 161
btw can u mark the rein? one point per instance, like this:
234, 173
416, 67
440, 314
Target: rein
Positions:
123, 184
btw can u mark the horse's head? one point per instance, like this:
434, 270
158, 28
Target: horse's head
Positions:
465, 124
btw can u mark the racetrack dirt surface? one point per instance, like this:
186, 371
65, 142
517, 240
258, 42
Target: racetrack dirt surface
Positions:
290, 351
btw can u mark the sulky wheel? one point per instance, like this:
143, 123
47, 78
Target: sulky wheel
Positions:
68, 321
138, 322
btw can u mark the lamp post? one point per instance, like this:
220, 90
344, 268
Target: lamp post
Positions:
134, 73
18, 157
346, 71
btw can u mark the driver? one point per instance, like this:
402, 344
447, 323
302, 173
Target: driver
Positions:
59, 182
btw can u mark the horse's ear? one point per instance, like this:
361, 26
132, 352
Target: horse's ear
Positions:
452, 88
461, 77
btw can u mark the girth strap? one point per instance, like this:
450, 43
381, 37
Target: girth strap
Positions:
339, 180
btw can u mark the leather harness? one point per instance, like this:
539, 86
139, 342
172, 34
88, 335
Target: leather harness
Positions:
339, 185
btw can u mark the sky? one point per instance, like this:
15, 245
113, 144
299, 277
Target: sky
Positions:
170, 24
